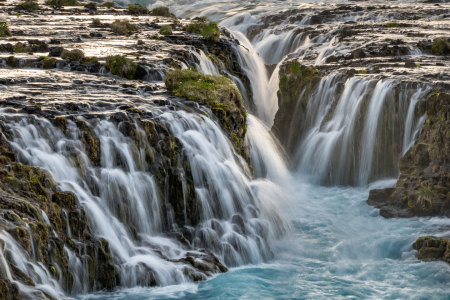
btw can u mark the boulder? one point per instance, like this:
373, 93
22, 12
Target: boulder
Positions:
56, 52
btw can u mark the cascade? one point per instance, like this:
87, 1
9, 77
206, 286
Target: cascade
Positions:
237, 218
36, 271
354, 138
160, 223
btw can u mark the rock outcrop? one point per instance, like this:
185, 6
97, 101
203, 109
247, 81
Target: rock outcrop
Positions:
422, 189
432, 248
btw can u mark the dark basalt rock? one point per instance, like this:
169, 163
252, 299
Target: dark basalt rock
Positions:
422, 189
379, 198
294, 80
56, 52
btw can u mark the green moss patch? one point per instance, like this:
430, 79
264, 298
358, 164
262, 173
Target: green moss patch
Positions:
4, 29
123, 27
216, 91
75, 54
138, 9
97, 23
196, 27
166, 30
440, 46
209, 30
28, 6
21, 48
296, 80
220, 94
78, 54
162, 12
392, 25
121, 66
48, 62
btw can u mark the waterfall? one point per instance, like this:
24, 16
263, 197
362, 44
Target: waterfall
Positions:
359, 136
370, 129
205, 65
267, 160
264, 89
36, 271
237, 222
413, 126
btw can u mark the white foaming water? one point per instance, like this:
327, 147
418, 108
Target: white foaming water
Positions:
239, 216
412, 126
267, 158
264, 88
205, 65
371, 128
226, 192
36, 271
339, 147
338, 246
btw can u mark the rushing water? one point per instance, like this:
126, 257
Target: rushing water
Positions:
338, 247
333, 246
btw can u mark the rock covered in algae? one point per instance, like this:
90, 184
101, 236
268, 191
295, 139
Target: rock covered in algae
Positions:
220, 94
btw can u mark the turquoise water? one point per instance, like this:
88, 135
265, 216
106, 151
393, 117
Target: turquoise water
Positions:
336, 247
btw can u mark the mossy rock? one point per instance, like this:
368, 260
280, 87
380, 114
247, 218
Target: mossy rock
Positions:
121, 66
296, 80
162, 12
92, 141
138, 9
64, 2
209, 30
196, 27
8, 290
4, 29
123, 27
392, 25
21, 48
78, 55
28, 6
49, 62
220, 94
11, 61
431, 248
441, 46
166, 30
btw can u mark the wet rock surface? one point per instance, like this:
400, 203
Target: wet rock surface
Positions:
70, 99
422, 188
432, 248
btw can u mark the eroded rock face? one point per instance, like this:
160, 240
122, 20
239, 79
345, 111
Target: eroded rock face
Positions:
296, 83
422, 189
